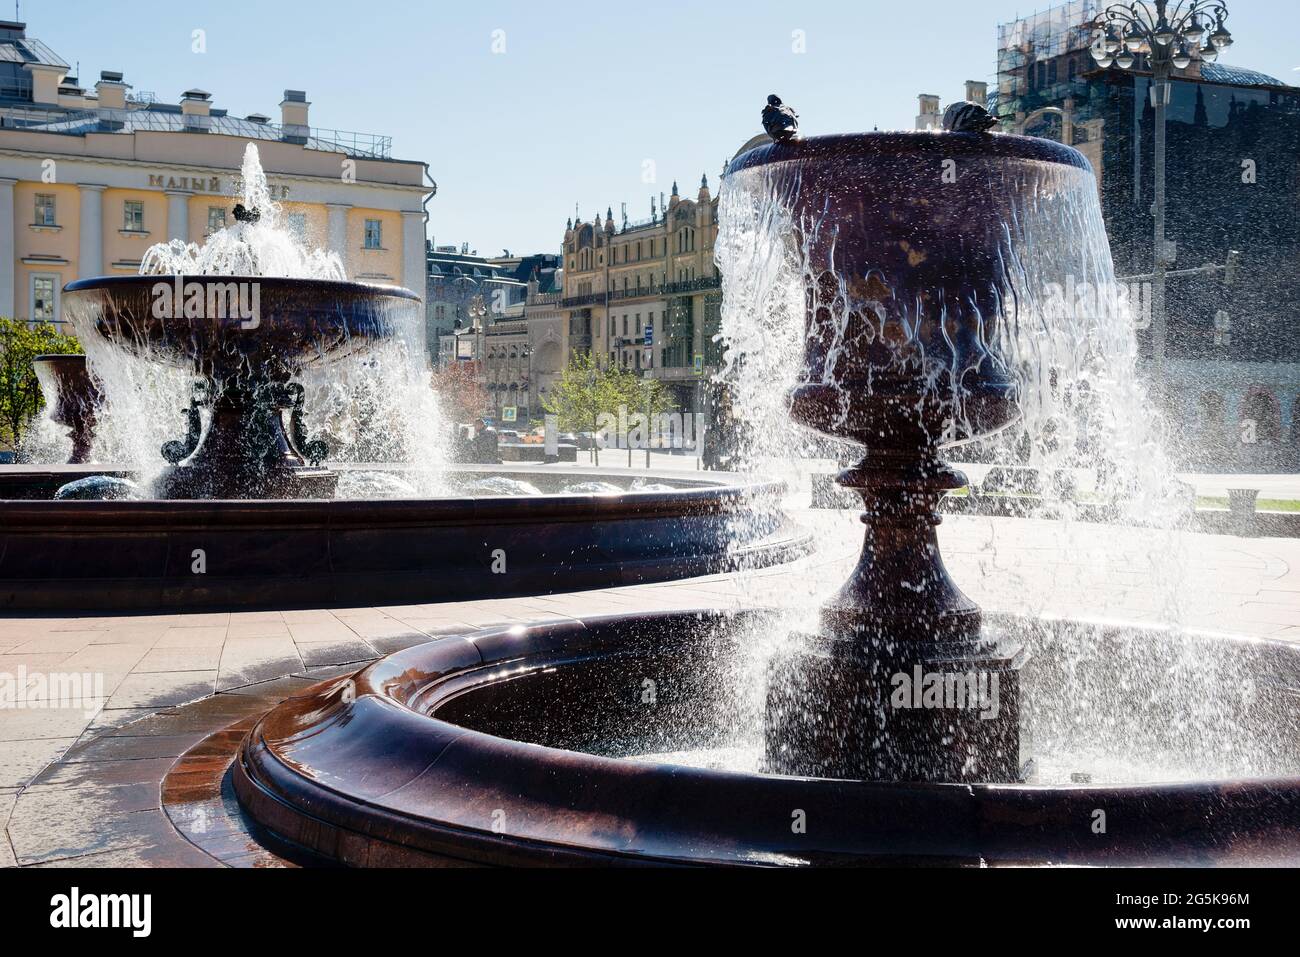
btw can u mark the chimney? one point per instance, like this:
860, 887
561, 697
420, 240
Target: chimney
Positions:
45, 82
71, 93
977, 92
196, 109
293, 116
928, 116
111, 91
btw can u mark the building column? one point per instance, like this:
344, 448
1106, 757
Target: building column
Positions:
7, 246
178, 214
413, 257
90, 252
337, 231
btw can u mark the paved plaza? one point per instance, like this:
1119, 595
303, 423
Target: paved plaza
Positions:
70, 796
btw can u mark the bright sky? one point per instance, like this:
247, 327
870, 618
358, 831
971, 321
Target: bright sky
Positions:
583, 94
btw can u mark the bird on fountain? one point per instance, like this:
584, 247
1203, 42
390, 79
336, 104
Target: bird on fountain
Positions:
967, 117
780, 122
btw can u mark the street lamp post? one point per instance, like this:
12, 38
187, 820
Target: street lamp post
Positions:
1170, 40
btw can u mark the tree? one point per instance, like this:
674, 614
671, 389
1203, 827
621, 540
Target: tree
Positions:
20, 392
639, 395
585, 391
460, 390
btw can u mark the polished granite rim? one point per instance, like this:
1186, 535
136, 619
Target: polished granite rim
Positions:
359, 772
138, 555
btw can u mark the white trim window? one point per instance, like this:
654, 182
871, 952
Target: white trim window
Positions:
216, 219
45, 297
374, 234
45, 210
298, 226
133, 215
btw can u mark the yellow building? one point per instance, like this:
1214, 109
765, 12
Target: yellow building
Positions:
656, 276
91, 179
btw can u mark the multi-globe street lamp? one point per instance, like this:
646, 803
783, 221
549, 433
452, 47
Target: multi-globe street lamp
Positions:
1170, 40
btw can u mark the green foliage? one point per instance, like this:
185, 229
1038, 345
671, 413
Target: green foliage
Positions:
585, 391
20, 393
579, 396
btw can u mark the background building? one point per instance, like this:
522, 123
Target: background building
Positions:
501, 314
657, 275
1232, 338
90, 179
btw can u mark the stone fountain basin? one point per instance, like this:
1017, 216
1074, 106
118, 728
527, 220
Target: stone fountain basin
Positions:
511, 747
124, 555
298, 321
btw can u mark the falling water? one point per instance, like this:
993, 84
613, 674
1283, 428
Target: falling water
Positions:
376, 407
1110, 705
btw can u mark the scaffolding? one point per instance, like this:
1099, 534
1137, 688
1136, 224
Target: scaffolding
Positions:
1040, 57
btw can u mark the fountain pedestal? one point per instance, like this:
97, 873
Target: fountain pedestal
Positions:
899, 684
247, 452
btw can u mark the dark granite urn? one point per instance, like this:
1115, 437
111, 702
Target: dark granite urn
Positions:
72, 397
245, 339
908, 244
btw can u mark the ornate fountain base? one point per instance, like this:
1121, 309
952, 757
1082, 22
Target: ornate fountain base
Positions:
935, 713
901, 684
247, 451
72, 395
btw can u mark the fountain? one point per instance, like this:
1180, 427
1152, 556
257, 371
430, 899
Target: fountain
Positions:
919, 261
258, 340
247, 341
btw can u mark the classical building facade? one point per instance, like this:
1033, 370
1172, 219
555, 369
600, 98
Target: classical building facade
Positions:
90, 179
655, 278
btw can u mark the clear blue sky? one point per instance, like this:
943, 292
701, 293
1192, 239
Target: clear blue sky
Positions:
584, 93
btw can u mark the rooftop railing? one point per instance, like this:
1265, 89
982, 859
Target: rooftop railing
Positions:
81, 122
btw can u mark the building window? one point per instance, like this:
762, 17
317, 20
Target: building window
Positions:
374, 234
216, 219
44, 304
133, 216
298, 226
45, 210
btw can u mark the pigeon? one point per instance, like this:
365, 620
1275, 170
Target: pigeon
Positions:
245, 215
966, 117
780, 122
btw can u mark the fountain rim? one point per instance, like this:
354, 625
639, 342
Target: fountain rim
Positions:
338, 286
313, 803
546, 655
899, 144
714, 497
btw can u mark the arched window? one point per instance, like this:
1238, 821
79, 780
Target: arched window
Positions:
1262, 409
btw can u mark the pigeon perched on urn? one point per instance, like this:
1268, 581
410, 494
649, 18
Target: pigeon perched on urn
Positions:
780, 122
966, 117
